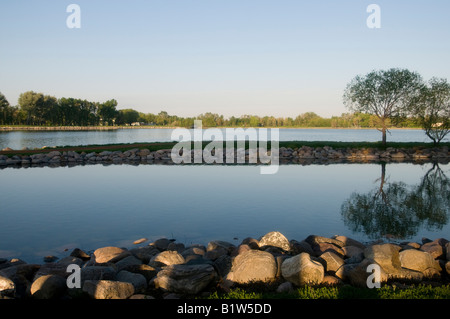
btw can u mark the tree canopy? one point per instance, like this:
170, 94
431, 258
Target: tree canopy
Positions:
387, 94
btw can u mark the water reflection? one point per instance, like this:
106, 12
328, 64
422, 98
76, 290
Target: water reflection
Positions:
398, 210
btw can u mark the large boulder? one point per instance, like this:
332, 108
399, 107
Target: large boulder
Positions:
166, 258
253, 265
385, 255
435, 248
419, 261
138, 281
302, 270
48, 287
185, 279
275, 239
107, 289
110, 254
7, 286
331, 261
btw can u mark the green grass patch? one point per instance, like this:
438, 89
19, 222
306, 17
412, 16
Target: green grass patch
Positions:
342, 292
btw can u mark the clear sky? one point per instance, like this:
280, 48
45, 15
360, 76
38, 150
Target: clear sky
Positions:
232, 57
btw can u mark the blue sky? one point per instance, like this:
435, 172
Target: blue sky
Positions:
231, 57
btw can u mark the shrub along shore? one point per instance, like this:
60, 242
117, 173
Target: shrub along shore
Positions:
271, 267
289, 153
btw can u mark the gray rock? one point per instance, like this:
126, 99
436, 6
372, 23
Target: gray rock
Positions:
275, 239
253, 265
385, 255
302, 270
98, 273
166, 258
107, 289
145, 254
7, 286
138, 281
185, 279
110, 254
127, 261
419, 261
331, 261
48, 287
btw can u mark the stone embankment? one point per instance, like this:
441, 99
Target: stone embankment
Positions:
302, 155
168, 269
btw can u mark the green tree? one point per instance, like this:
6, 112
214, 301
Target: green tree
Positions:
5, 109
127, 116
387, 94
107, 112
432, 109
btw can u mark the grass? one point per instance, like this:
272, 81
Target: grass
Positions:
342, 292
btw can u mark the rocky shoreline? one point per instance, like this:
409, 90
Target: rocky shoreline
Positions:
168, 269
303, 155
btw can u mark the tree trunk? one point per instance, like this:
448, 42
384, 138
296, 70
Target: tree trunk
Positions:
383, 131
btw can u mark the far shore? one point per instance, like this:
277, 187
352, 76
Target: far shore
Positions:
6, 128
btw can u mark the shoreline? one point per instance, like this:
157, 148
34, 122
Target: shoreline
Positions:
166, 268
136, 154
7, 128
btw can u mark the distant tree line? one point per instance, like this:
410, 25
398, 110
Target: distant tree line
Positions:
380, 99
44, 110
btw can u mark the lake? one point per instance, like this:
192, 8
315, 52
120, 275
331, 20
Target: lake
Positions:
46, 210
37, 139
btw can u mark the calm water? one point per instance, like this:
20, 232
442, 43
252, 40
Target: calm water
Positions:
45, 210
36, 139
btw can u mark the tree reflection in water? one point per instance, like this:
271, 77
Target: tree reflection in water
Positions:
396, 210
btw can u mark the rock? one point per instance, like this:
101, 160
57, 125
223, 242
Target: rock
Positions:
50, 259
77, 252
419, 261
298, 247
140, 241
302, 270
110, 254
143, 152
7, 286
357, 274
53, 154
285, 287
98, 273
215, 244
167, 258
385, 255
321, 244
447, 251
350, 251
275, 239
435, 248
447, 267
185, 279
216, 253
331, 261
145, 254
138, 281
161, 243
253, 265
331, 280
347, 241
145, 270
315, 240
107, 289
251, 242
48, 287
127, 261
